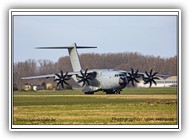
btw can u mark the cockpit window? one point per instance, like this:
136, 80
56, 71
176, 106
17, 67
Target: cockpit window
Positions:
121, 75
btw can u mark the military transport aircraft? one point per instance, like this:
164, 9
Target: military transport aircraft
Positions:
108, 80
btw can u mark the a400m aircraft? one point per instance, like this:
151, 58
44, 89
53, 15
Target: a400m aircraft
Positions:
108, 80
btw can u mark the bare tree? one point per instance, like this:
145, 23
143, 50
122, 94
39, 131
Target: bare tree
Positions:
22, 69
123, 61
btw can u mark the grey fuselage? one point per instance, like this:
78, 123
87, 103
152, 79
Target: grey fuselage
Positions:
107, 79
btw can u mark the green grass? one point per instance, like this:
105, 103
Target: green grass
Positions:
133, 106
151, 91
50, 92
82, 100
136, 91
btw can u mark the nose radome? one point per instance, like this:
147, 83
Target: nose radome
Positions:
122, 82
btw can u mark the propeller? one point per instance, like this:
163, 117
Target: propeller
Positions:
84, 77
133, 76
61, 80
150, 78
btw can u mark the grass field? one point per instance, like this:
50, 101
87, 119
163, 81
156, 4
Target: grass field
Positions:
132, 106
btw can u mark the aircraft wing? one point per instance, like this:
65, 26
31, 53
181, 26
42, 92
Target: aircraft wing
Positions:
163, 75
158, 75
54, 75
39, 77
48, 76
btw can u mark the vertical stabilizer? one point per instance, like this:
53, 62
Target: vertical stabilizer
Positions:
74, 58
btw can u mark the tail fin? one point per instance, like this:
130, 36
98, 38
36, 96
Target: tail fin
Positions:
74, 58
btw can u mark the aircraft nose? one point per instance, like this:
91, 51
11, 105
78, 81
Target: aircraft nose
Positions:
122, 81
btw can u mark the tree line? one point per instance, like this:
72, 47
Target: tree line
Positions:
122, 61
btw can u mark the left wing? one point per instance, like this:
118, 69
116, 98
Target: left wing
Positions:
56, 75
49, 75
39, 77
61, 78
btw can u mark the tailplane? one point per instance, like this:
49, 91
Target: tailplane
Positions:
74, 58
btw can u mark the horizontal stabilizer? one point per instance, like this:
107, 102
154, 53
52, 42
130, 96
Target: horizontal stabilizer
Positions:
73, 54
78, 47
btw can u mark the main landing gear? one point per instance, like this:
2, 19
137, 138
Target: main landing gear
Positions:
116, 91
89, 93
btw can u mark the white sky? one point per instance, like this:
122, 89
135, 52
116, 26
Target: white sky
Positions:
148, 35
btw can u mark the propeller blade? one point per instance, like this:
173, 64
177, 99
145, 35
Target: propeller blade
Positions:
81, 73
56, 80
130, 74
79, 76
156, 78
150, 78
62, 85
80, 81
62, 78
84, 77
154, 82
151, 72
136, 80
147, 73
65, 75
57, 84
133, 76
150, 84
87, 82
85, 71
58, 75
83, 83
61, 73
132, 71
65, 83
133, 83
155, 73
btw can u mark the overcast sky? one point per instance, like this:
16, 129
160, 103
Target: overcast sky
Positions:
148, 35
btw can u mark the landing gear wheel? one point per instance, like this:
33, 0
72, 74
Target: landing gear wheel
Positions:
113, 92
109, 92
89, 93
117, 92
